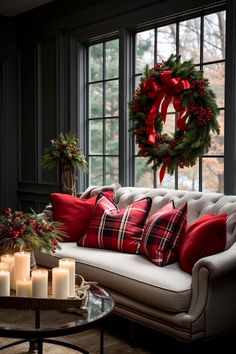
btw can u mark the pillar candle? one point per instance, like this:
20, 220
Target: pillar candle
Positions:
40, 283
67, 263
24, 288
22, 265
7, 258
60, 283
10, 259
4, 266
4, 283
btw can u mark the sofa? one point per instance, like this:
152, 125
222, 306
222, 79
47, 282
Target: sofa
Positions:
189, 306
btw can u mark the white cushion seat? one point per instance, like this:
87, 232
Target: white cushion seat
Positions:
167, 288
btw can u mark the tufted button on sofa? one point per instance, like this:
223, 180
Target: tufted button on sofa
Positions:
186, 306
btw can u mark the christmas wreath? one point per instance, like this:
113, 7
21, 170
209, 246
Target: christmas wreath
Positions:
196, 108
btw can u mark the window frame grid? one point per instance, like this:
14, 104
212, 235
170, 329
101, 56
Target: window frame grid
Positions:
201, 65
103, 118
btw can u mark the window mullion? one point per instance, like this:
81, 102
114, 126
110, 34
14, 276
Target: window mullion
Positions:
104, 116
125, 143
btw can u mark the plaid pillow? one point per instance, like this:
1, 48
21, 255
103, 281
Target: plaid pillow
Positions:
163, 234
114, 228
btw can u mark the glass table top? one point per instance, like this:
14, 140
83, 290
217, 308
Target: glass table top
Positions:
15, 322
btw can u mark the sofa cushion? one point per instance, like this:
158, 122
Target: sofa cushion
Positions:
74, 213
163, 234
204, 237
114, 228
165, 288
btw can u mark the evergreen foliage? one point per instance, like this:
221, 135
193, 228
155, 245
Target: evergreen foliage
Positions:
25, 231
197, 114
64, 150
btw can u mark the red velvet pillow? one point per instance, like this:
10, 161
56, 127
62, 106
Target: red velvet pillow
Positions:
74, 213
163, 234
204, 237
114, 228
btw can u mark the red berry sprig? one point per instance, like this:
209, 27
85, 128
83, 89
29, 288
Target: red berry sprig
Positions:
199, 86
204, 115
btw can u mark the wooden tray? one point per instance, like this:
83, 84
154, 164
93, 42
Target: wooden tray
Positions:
30, 303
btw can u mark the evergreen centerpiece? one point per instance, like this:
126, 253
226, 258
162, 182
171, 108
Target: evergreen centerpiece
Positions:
25, 231
193, 101
65, 153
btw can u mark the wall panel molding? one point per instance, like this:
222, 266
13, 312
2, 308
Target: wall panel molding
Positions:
2, 130
46, 98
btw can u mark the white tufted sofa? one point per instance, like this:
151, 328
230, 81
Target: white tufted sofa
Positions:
188, 307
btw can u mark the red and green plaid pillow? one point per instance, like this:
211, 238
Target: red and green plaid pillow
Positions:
114, 228
163, 234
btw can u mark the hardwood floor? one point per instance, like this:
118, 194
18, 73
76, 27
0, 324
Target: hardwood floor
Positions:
121, 337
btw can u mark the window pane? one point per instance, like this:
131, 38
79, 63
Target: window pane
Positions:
96, 170
143, 173
217, 141
189, 32
214, 36
144, 50
166, 41
95, 100
96, 62
169, 126
213, 175
215, 73
112, 174
168, 181
96, 137
137, 80
112, 98
112, 136
188, 178
112, 59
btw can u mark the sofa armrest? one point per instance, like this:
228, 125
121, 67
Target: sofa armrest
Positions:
218, 264
213, 291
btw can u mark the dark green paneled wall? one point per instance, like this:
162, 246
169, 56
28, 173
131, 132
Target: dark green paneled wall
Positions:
38, 122
27, 117
8, 113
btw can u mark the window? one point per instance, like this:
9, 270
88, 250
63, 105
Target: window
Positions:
103, 112
202, 39
206, 35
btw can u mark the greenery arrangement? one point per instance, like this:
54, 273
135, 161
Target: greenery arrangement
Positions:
65, 150
25, 231
65, 153
193, 100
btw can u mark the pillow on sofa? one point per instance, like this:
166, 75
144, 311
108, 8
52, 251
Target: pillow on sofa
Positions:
114, 228
75, 213
163, 234
204, 237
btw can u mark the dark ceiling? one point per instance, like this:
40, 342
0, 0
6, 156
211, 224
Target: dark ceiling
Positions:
11, 8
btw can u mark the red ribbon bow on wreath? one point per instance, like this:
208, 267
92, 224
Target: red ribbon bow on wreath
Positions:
163, 95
